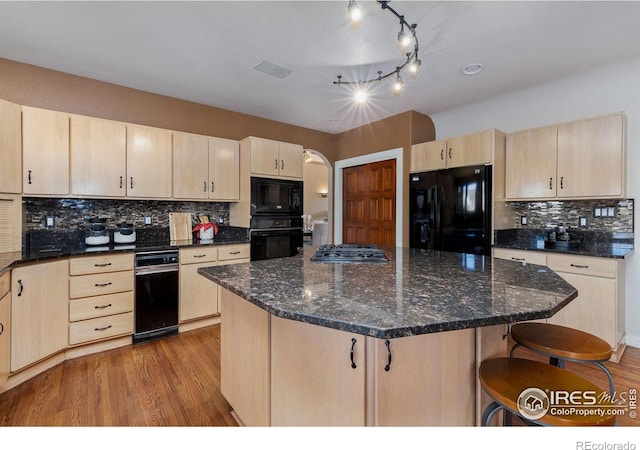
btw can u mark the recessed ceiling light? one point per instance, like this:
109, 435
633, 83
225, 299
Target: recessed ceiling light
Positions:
472, 69
271, 68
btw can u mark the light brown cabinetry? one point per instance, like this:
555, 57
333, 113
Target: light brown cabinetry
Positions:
273, 158
45, 152
10, 148
101, 297
205, 168
5, 328
39, 312
98, 157
149, 162
468, 150
245, 377
599, 307
521, 256
314, 365
582, 159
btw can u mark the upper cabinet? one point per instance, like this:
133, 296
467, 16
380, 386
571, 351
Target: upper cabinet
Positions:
459, 151
98, 157
273, 158
11, 148
583, 159
205, 168
148, 162
45, 152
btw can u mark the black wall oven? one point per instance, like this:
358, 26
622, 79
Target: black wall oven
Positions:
275, 197
275, 237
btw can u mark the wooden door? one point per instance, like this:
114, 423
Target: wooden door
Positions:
590, 158
369, 204
45, 152
39, 312
224, 169
98, 157
10, 148
190, 166
531, 163
148, 162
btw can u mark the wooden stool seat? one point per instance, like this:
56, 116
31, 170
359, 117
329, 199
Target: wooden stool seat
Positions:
504, 379
561, 342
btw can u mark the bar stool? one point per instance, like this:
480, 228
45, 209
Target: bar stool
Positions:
520, 386
562, 344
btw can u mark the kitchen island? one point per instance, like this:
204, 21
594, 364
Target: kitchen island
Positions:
396, 343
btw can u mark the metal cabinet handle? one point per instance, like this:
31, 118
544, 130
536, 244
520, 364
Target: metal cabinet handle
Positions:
131, 182
212, 186
103, 284
1, 328
103, 328
578, 266
234, 253
21, 288
199, 256
205, 186
29, 177
442, 154
561, 182
351, 353
449, 153
282, 164
102, 265
518, 259
276, 166
551, 183
387, 343
120, 182
102, 307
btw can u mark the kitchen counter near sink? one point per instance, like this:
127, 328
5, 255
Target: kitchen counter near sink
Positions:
394, 343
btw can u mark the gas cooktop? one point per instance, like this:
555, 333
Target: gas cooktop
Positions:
350, 253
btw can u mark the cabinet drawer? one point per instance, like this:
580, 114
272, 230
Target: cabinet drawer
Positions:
102, 305
521, 256
198, 255
100, 264
100, 328
5, 282
100, 284
233, 252
599, 267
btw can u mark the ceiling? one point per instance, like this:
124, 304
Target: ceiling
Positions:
206, 51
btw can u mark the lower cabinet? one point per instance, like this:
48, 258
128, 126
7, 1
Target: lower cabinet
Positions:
5, 328
39, 312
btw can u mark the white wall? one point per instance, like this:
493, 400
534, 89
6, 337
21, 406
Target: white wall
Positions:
606, 90
316, 180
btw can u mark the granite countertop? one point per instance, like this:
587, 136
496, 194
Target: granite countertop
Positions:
601, 245
50, 245
416, 292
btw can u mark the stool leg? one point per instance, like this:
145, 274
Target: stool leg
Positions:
513, 349
489, 412
556, 362
606, 371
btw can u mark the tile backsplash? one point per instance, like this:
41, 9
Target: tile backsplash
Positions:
71, 214
545, 215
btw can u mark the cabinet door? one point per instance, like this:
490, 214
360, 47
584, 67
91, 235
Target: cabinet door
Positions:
39, 312
265, 159
313, 382
406, 394
148, 162
45, 152
98, 157
531, 163
521, 256
190, 166
594, 310
591, 158
469, 150
11, 148
198, 295
290, 160
224, 169
5, 329
428, 156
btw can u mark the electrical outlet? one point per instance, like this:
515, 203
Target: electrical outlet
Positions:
597, 212
50, 221
147, 220
582, 221
523, 220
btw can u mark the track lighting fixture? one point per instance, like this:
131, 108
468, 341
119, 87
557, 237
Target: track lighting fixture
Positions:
406, 36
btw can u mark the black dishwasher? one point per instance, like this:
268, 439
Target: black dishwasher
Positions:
157, 291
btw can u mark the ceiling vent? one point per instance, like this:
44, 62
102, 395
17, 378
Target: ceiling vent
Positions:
273, 69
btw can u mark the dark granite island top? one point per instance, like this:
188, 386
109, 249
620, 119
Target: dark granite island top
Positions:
416, 292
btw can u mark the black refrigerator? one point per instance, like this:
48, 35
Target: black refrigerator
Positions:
450, 210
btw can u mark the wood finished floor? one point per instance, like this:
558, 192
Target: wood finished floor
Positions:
175, 381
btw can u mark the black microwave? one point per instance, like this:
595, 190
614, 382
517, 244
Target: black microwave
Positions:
270, 196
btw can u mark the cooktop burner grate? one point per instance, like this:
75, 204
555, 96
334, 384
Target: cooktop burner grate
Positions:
350, 253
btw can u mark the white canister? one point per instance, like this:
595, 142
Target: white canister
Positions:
206, 234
